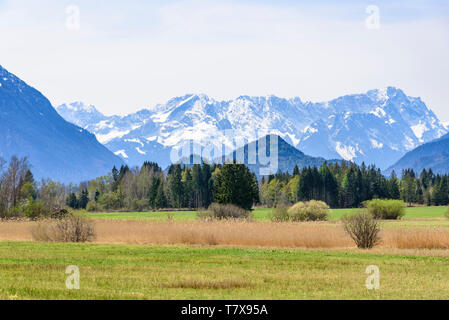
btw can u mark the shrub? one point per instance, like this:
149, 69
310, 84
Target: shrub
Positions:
35, 209
110, 201
386, 209
280, 214
73, 228
223, 211
137, 205
309, 211
363, 229
93, 206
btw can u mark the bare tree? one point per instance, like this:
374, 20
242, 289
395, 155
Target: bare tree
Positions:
363, 229
13, 179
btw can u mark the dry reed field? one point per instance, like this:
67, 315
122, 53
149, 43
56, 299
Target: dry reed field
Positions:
315, 235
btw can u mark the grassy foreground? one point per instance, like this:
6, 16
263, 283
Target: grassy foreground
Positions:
37, 271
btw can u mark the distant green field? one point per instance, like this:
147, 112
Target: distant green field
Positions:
261, 214
37, 271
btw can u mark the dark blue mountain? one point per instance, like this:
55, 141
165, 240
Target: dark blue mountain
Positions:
257, 156
433, 155
57, 149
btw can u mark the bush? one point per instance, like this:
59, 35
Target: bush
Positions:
137, 205
363, 229
309, 211
280, 214
386, 209
93, 206
110, 201
35, 209
223, 211
73, 228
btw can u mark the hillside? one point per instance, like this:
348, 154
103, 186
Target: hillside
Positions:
30, 126
434, 155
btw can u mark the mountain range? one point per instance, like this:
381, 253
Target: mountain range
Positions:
377, 127
78, 142
57, 149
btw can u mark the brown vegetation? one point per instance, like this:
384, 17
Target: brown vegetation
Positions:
193, 284
243, 233
363, 228
71, 228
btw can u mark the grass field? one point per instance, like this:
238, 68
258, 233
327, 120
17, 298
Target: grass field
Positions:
37, 271
412, 214
148, 256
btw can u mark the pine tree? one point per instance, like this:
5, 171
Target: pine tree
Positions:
84, 199
235, 184
296, 170
161, 200
175, 186
72, 201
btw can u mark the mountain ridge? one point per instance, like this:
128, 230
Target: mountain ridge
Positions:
57, 149
378, 126
432, 155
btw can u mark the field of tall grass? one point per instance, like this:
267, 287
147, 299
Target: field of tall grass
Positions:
179, 256
242, 234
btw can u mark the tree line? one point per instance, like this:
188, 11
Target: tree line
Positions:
348, 185
148, 187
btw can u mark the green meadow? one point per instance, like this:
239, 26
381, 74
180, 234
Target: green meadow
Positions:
414, 216
30, 270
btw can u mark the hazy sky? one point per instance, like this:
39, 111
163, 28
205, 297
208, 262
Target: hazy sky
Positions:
128, 55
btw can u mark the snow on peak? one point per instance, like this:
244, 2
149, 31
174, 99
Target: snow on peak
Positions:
343, 127
346, 152
419, 129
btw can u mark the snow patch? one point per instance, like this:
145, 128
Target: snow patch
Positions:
379, 112
310, 130
446, 125
135, 141
390, 121
376, 144
153, 138
121, 153
105, 138
346, 152
419, 129
382, 94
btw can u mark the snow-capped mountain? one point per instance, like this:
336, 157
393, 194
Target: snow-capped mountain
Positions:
56, 149
78, 113
376, 127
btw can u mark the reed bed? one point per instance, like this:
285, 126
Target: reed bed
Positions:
418, 238
232, 233
326, 235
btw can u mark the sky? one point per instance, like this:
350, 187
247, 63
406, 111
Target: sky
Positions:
122, 56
